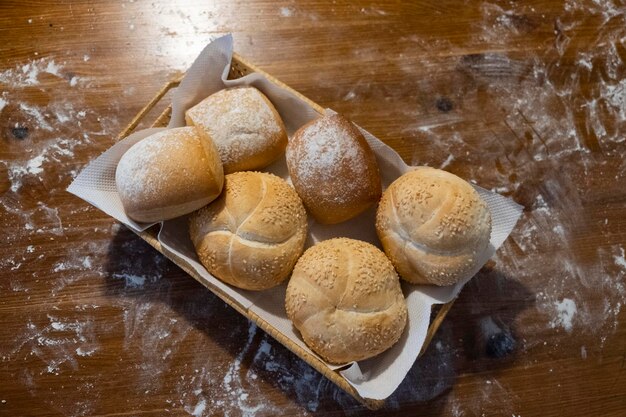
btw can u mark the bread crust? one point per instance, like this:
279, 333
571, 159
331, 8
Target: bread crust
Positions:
433, 226
253, 234
333, 169
345, 299
168, 174
246, 128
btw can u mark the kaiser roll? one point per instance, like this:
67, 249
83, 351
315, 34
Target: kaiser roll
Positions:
433, 226
345, 299
252, 235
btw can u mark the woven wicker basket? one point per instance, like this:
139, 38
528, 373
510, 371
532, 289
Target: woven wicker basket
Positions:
239, 68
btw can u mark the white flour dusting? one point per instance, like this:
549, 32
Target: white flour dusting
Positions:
28, 74
131, 280
241, 124
326, 151
37, 114
286, 11
49, 126
233, 384
3, 100
198, 410
565, 310
56, 343
620, 259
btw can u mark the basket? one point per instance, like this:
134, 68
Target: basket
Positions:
240, 67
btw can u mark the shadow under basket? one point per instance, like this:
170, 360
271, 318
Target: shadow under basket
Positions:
239, 68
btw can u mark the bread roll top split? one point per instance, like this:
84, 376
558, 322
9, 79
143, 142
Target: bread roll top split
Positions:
333, 169
168, 174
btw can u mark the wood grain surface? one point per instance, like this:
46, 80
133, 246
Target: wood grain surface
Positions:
525, 98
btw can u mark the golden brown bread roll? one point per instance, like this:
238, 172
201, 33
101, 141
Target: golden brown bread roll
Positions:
333, 169
433, 226
168, 174
345, 299
245, 126
253, 234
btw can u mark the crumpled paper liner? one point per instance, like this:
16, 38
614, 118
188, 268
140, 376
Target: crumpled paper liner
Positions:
375, 378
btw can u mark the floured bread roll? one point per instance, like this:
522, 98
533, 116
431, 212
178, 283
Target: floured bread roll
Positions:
245, 126
333, 169
168, 174
253, 234
433, 226
345, 299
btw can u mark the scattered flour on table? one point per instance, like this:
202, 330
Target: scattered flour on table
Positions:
565, 310
28, 74
131, 280
238, 393
55, 343
45, 140
198, 409
240, 387
620, 258
286, 11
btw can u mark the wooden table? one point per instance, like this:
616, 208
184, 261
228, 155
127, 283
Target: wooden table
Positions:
525, 98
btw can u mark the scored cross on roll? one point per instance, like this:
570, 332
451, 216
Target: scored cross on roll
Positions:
433, 226
345, 299
252, 235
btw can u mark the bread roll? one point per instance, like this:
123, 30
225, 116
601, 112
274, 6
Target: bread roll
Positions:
253, 234
345, 299
245, 126
168, 174
433, 226
333, 169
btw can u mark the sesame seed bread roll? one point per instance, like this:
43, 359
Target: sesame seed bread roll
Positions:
253, 234
433, 226
333, 169
345, 299
168, 174
245, 126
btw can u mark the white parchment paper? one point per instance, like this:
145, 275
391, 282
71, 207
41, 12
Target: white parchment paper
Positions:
374, 378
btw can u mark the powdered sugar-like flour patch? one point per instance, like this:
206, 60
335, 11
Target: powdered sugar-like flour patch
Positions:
131, 280
620, 259
233, 383
3, 101
198, 409
565, 310
286, 11
28, 74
